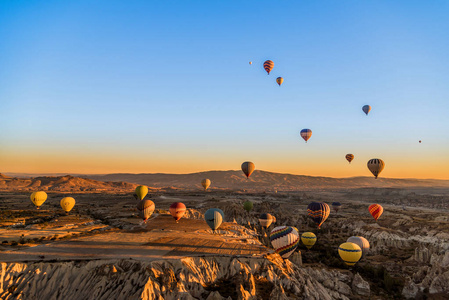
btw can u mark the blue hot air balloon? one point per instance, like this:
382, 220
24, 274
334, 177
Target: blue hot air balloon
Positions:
318, 212
214, 217
366, 109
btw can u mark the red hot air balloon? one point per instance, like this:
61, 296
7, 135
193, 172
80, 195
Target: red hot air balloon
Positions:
177, 210
376, 211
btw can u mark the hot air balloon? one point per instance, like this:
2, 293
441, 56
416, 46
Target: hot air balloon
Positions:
308, 239
361, 242
336, 206
318, 212
279, 80
306, 134
145, 209
177, 210
214, 217
250, 62
141, 191
285, 240
248, 206
420, 141
376, 211
350, 253
349, 157
366, 109
205, 183
265, 220
248, 168
67, 203
38, 198
376, 165
268, 66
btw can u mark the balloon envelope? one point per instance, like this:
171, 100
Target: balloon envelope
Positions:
205, 183
318, 212
336, 206
376, 165
214, 217
308, 239
265, 220
248, 168
141, 191
145, 209
268, 66
350, 253
349, 157
248, 206
67, 203
306, 134
366, 109
177, 210
376, 210
279, 80
361, 242
38, 198
285, 239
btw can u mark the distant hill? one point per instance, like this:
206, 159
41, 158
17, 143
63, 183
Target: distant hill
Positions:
66, 183
262, 180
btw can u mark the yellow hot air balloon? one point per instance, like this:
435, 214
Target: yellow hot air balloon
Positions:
205, 183
279, 80
308, 239
349, 157
350, 253
141, 191
268, 66
67, 203
376, 165
38, 198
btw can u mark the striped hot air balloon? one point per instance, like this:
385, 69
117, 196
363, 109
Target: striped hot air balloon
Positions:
366, 109
248, 168
361, 242
350, 253
376, 165
349, 157
306, 134
318, 212
285, 240
308, 239
268, 66
177, 210
279, 80
265, 220
145, 209
376, 211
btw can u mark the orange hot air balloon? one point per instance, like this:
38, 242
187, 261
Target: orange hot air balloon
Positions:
349, 157
177, 210
279, 80
248, 168
268, 66
376, 211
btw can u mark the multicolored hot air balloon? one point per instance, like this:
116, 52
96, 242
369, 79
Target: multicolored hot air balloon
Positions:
268, 66
336, 206
349, 157
265, 220
376, 210
306, 134
366, 109
350, 253
145, 209
248, 206
141, 191
318, 212
177, 210
279, 80
361, 242
214, 217
308, 239
38, 198
376, 165
248, 168
285, 240
67, 203
205, 183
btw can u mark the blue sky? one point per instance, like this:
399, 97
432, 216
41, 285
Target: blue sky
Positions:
165, 86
